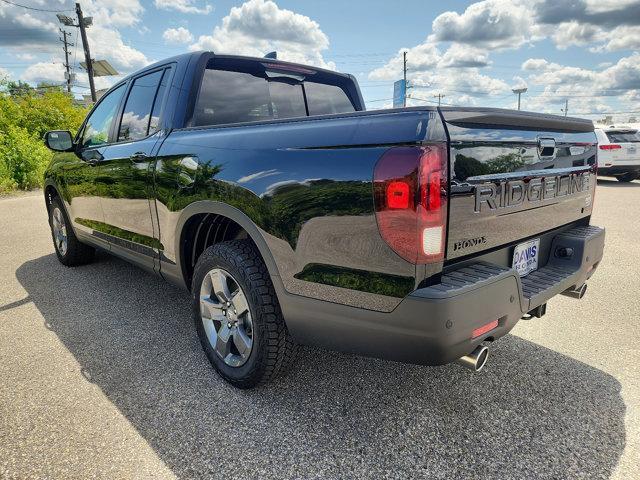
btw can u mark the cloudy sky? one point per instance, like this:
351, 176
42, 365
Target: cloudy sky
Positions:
473, 53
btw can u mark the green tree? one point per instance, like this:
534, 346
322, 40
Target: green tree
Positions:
25, 115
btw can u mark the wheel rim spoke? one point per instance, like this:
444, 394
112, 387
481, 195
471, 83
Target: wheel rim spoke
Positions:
242, 342
239, 302
223, 346
219, 282
210, 309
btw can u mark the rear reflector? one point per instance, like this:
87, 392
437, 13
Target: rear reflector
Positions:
484, 329
410, 195
612, 146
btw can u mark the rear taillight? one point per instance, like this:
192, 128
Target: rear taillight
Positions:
410, 193
612, 146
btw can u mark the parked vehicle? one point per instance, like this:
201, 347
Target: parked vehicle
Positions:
294, 216
619, 152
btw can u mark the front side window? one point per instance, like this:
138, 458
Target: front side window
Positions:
96, 131
233, 96
137, 110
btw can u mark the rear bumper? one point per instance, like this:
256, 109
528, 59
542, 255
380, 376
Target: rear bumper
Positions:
620, 168
434, 325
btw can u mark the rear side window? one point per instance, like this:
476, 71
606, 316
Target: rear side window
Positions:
324, 99
137, 110
229, 96
628, 136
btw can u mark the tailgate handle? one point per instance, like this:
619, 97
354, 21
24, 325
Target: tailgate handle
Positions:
546, 148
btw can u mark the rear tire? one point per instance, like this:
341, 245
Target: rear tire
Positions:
627, 177
237, 315
69, 250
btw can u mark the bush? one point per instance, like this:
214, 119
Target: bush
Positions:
25, 115
23, 159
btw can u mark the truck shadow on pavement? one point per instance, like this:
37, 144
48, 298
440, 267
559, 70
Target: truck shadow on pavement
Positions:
532, 413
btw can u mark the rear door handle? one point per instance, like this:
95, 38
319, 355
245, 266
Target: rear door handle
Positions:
138, 157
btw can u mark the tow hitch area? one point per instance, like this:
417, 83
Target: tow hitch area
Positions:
537, 312
577, 292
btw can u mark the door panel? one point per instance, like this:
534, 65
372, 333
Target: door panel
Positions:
83, 174
127, 168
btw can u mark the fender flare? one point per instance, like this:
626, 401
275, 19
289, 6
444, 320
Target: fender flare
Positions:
225, 210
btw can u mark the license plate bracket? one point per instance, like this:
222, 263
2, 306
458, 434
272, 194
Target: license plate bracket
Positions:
525, 257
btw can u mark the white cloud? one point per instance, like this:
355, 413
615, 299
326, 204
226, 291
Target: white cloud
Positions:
464, 56
177, 35
258, 175
107, 44
574, 33
116, 13
260, 26
44, 72
495, 24
184, 6
587, 90
4, 74
620, 38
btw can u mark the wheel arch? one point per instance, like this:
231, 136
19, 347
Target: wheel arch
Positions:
195, 211
50, 191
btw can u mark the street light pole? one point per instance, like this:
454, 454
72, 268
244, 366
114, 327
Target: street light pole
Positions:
87, 52
519, 91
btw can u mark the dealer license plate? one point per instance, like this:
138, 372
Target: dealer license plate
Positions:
525, 257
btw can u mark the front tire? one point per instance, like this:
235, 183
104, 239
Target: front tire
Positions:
69, 250
237, 315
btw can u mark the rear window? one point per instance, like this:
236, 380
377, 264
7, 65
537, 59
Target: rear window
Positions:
232, 96
628, 136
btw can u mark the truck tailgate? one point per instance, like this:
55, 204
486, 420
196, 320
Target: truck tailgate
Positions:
515, 175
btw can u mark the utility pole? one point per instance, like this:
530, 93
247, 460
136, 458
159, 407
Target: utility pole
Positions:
566, 107
440, 97
66, 57
87, 52
404, 59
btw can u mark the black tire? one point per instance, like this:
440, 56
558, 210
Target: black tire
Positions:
627, 177
273, 349
76, 253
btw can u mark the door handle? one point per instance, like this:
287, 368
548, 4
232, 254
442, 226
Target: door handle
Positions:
138, 157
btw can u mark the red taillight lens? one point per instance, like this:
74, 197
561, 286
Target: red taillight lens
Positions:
410, 193
398, 195
612, 146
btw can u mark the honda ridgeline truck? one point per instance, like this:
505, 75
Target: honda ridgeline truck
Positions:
293, 216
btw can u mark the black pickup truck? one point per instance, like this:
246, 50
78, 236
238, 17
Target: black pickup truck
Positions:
293, 216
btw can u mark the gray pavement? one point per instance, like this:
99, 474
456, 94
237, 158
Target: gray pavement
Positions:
102, 376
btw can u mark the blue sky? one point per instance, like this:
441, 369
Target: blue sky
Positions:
586, 51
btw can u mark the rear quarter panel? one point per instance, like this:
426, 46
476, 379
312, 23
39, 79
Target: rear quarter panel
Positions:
306, 185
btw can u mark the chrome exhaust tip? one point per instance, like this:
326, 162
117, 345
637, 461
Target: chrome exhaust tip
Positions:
475, 360
577, 292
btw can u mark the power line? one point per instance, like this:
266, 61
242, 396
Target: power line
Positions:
34, 8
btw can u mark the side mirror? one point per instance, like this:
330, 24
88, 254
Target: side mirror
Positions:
59, 140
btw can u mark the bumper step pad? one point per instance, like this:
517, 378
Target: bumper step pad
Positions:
558, 275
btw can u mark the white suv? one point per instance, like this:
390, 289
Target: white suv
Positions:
619, 152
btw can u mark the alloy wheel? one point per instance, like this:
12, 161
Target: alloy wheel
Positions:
226, 317
59, 231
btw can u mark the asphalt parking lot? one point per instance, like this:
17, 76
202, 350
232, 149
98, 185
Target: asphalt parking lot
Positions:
101, 375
